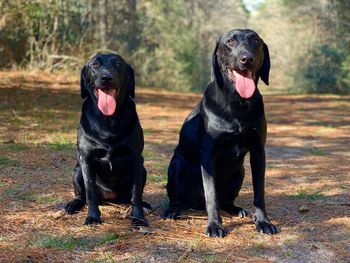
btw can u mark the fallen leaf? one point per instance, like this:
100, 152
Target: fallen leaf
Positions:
58, 214
303, 208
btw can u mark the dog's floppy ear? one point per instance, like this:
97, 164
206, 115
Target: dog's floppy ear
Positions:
215, 68
264, 71
131, 83
83, 88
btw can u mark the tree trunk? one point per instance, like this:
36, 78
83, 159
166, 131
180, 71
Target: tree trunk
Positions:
132, 25
103, 23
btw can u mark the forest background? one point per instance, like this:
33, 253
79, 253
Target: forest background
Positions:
169, 43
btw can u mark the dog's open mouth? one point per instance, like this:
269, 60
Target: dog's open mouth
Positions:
245, 85
107, 102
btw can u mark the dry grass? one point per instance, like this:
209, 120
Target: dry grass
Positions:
307, 165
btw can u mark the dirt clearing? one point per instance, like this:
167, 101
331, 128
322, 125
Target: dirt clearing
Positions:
307, 182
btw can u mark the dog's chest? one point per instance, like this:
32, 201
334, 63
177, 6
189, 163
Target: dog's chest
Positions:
232, 144
114, 160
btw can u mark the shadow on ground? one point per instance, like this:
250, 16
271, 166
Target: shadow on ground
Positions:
307, 184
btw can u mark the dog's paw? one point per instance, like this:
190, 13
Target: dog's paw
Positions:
91, 220
266, 227
235, 210
170, 213
146, 206
137, 216
242, 212
215, 230
139, 222
74, 206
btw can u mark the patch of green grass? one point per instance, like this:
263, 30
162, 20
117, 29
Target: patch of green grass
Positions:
61, 146
59, 143
317, 152
69, 242
287, 254
16, 194
309, 196
17, 147
289, 240
271, 165
210, 258
107, 257
46, 115
43, 199
136, 259
257, 248
194, 244
64, 242
109, 238
161, 176
51, 130
147, 154
157, 178
325, 129
146, 132
4, 161
162, 166
303, 109
11, 193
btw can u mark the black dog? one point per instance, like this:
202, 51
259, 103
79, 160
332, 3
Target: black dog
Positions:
110, 141
207, 170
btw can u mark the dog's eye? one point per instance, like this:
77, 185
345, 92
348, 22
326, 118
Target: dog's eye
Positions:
95, 64
256, 41
117, 64
232, 41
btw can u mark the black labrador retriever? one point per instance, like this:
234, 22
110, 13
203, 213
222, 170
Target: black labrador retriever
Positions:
206, 170
110, 141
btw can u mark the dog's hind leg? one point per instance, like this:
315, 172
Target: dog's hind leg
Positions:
145, 205
139, 178
79, 190
234, 210
173, 210
233, 189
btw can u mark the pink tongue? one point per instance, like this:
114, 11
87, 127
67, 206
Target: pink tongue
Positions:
106, 101
245, 86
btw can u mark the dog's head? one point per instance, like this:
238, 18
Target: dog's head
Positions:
240, 57
108, 80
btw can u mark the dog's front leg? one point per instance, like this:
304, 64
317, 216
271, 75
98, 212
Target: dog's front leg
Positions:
137, 214
214, 227
89, 175
257, 163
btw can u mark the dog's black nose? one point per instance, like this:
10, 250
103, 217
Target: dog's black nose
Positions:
246, 59
106, 78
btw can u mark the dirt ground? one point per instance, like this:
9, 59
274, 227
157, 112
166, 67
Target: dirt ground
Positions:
307, 182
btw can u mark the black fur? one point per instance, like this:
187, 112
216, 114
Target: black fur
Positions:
109, 160
206, 170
